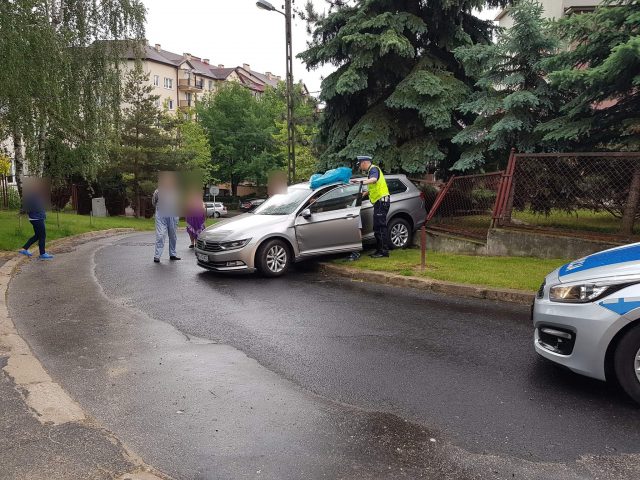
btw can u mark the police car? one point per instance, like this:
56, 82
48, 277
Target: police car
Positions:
587, 317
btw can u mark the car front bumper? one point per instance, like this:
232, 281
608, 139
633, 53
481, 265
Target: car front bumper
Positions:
575, 335
240, 260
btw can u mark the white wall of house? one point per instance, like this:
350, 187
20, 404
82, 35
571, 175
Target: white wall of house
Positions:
553, 9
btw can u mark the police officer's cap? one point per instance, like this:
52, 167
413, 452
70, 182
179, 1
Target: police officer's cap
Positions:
363, 158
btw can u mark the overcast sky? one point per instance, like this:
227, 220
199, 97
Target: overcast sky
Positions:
233, 32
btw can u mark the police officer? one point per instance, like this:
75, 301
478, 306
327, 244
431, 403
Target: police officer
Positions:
379, 197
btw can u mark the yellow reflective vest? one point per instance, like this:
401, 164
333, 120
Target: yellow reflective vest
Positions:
379, 189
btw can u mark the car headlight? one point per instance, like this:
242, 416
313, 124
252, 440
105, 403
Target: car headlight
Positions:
235, 244
583, 293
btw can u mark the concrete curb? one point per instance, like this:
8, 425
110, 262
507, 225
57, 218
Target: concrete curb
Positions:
436, 286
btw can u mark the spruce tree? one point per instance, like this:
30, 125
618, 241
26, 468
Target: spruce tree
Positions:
513, 95
397, 83
600, 72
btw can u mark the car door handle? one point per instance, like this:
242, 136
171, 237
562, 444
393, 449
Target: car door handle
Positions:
351, 215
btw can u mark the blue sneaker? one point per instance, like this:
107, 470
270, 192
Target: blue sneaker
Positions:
46, 256
26, 253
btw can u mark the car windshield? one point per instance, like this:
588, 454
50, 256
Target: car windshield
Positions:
283, 204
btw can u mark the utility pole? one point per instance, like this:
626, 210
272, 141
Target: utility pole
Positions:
291, 140
291, 131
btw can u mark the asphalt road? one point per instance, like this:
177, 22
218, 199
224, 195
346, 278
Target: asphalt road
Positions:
320, 378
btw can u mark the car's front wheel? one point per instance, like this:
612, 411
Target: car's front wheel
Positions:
627, 363
399, 233
273, 258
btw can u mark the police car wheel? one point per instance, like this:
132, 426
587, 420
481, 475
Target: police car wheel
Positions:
627, 363
399, 232
273, 258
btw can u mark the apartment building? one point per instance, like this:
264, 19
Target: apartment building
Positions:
181, 79
552, 9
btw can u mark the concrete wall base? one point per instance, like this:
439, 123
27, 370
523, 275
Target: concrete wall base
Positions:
518, 243
514, 243
446, 243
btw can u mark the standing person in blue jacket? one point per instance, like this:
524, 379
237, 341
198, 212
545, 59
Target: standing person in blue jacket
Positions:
34, 206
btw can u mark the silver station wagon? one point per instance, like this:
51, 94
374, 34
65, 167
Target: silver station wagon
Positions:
304, 223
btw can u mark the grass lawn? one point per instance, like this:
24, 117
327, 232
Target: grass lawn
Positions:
14, 231
502, 272
601, 222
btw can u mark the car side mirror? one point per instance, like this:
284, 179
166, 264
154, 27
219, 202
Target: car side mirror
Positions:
306, 213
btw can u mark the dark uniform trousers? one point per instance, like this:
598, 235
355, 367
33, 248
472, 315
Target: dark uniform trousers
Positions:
380, 211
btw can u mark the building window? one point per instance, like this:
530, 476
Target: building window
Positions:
156, 80
170, 104
168, 82
210, 84
156, 102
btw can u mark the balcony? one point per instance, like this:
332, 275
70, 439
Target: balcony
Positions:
190, 85
184, 104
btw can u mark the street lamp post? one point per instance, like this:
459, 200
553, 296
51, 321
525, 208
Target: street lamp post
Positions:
291, 145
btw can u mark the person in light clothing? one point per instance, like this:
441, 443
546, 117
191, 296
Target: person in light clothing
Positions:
166, 199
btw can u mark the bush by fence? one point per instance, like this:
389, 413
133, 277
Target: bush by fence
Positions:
465, 204
594, 192
578, 185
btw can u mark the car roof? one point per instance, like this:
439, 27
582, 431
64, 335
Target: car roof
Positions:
305, 185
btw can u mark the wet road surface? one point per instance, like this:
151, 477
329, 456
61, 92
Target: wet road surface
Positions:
311, 377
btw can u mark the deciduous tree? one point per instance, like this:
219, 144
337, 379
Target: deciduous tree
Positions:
59, 81
240, 129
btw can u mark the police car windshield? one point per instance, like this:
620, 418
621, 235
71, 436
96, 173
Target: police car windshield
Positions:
283, 204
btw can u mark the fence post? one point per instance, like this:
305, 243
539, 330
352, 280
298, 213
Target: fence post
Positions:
434, 208
495, 217
630, 209
506, 198
423, 246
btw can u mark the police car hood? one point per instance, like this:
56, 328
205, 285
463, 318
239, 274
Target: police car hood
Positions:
616, 262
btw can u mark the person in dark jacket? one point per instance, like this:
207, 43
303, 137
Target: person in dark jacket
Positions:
34, 207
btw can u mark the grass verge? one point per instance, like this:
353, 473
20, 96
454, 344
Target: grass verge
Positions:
14, 230
501, 272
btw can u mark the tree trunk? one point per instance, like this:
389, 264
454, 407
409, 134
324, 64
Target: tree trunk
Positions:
234, 186
18, 159
630, 209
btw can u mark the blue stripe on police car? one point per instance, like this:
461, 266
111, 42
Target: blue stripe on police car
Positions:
630, 253
621, 306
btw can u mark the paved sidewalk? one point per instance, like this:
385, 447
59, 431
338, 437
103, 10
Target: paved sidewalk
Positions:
44, 434
73, 450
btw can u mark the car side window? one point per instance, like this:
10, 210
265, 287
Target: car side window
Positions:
341, 197
396, 185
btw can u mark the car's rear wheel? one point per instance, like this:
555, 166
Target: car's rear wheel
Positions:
273, 258
216, 214
399, 233
627, 363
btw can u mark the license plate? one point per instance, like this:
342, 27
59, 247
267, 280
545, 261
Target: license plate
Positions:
202, 257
